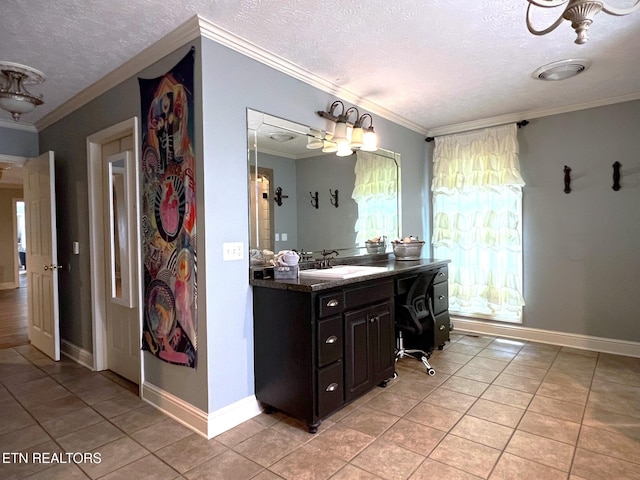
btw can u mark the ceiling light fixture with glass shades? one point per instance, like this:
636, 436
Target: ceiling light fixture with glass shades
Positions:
341, 135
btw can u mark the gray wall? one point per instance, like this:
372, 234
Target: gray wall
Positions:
18, 142
581, 250
231, 84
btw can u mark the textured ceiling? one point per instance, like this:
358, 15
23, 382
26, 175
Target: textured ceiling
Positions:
435, 63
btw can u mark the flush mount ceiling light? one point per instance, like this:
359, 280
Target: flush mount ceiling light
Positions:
14, 98
345, 135
281, 137
579, 12
562, 69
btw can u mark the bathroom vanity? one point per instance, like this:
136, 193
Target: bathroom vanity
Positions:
320, 343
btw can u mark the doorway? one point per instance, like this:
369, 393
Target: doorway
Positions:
117, 324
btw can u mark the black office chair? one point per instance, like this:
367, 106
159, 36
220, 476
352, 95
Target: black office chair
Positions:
415, 317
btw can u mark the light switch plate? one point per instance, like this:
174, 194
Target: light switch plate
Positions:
232, 251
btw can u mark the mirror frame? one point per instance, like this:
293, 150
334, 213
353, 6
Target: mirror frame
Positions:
126, 297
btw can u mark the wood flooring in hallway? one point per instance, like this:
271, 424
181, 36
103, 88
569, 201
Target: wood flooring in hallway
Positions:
14, 321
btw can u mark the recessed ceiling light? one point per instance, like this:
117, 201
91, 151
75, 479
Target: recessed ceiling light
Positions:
562, 69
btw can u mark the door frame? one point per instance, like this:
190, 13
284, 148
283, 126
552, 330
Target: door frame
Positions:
97, 236
19, 162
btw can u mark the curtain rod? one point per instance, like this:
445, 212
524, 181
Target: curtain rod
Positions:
520, 124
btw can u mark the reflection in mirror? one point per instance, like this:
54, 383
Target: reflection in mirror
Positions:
120, 227
368, 184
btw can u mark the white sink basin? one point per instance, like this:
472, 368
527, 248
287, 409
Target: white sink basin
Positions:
340, 272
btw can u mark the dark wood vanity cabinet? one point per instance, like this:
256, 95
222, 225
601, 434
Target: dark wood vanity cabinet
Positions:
317, 351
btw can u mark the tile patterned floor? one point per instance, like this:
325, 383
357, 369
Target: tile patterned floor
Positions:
497, 408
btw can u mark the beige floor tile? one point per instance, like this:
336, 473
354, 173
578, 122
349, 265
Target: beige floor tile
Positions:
67, 471
22, 437
443, 366
308, 463
579, 351
481, 341
613, 422
226, 466
594, 466
160, 434
65, 424
350, 472
465, 385
113, 456
499, 355
241, 432
392, 403
342, 441
450, 399
477, 373
536, 362
615, 397
610, 443
616, 376
550, 427
430, 470
464, 349
36, 392
189, 452
267, 475
411, 389
570, 362
483, 432
557, 408
90, 437
413, 436
56, 408
453, 357
369, 421
569, 379
123, 403
267, 446
17, 467
421, 376
138, 419
145, 468
507, 396
434, 416
507, 344
465, 455
516, 382
511, 467
523, 370
496, 413
489, 364
388, 460
573, 394
542, 450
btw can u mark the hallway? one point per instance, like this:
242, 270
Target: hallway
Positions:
14, 321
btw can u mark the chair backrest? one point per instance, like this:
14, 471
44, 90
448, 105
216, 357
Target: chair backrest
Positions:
414, 315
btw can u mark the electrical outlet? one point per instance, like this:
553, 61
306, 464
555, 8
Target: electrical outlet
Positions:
232, 251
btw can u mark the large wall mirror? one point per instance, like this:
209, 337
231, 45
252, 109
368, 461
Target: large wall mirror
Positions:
304, 199
121, 217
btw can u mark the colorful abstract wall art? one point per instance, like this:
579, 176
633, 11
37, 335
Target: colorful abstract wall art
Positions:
169, 215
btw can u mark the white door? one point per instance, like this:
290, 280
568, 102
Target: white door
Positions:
122, 317
42, 258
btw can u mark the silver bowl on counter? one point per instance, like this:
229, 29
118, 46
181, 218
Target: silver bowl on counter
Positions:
407, 250
375, 247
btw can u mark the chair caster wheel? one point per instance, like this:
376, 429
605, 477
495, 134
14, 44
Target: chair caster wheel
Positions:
431, 372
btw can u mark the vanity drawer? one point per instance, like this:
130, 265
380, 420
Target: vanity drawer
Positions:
356, 297
442, 275
442, 329
330, 340
330, 304
440, 297
330, 389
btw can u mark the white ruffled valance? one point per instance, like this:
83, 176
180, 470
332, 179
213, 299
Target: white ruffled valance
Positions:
483, 158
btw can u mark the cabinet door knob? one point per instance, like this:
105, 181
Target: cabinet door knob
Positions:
333, 303
441, 274
332, 387
331, 339
441, 297
442, 327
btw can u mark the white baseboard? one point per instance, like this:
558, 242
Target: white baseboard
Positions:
8, 285
206, 424
76, 353
583, 342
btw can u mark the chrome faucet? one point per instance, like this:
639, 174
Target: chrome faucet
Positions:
325, 261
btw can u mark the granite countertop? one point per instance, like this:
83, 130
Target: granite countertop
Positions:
394, 267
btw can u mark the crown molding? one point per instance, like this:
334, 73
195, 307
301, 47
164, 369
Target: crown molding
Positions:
528, 115
185, 33
18, 126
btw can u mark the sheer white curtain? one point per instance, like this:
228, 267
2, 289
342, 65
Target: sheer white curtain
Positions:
477, 221
376, 193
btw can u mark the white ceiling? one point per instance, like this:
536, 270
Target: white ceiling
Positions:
438, 64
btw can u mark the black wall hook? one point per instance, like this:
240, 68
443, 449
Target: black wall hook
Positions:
314, 199
334, 198
567, 179
278, 196
616, 176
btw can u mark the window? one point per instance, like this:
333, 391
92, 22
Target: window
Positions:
477, 221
